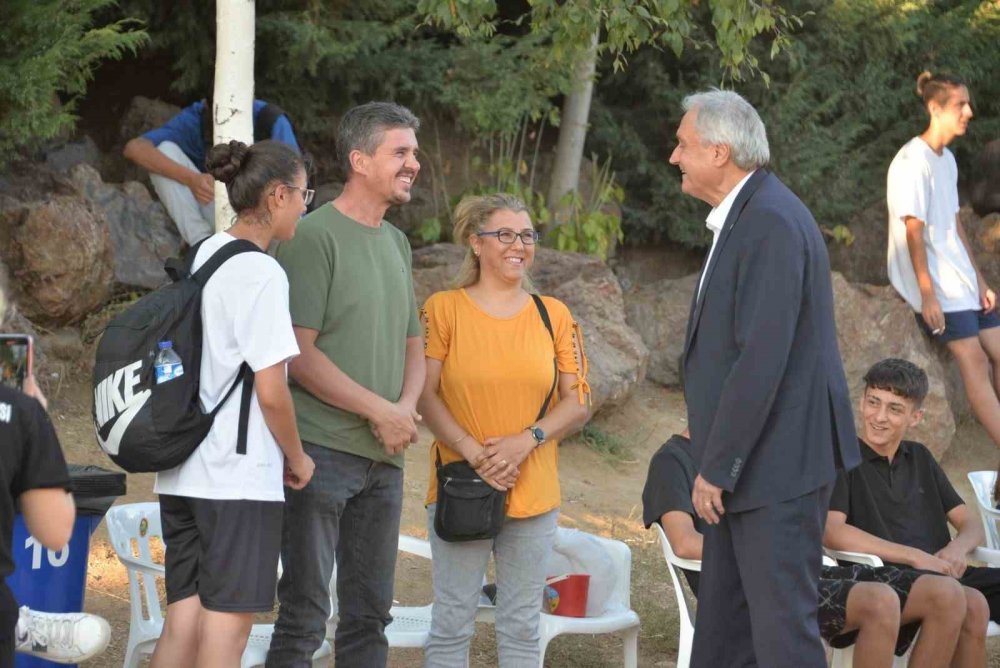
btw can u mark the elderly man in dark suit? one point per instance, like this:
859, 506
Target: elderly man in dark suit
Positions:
767, 398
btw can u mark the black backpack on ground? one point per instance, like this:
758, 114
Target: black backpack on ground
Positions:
142, 425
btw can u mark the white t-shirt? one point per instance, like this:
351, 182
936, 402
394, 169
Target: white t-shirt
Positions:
245, 316
924, 185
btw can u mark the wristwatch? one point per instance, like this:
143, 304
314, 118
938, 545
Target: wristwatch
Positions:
537, 434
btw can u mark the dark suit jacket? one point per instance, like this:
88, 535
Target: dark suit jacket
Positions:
767, 400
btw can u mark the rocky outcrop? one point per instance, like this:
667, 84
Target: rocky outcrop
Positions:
659, 311
142, 234
585, 284
58, 252
874, 323
864, 260
985, 180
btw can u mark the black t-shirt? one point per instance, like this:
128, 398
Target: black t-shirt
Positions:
30, 458
672, 471
906, 502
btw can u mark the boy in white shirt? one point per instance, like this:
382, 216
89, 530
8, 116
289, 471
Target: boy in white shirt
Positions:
930, 260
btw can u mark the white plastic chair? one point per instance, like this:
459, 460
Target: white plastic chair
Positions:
410, 625
842, 658
982, 484
685, 607
130, 528
609, 563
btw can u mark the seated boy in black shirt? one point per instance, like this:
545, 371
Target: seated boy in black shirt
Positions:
879, 610
898, 503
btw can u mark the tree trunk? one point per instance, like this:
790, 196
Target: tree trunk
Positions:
233, 107
573, 131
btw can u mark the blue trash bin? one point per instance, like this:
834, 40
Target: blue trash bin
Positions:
54, 581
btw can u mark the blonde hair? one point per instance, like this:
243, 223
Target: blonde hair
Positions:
471, 215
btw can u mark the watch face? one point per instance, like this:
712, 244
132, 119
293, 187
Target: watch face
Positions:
538, 434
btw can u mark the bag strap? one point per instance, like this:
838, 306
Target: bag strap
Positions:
220, 256
245, 375
544, 313
180, 268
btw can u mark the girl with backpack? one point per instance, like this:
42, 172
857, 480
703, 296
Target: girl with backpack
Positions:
221, 510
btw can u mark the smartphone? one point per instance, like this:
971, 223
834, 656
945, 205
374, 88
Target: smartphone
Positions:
15, 359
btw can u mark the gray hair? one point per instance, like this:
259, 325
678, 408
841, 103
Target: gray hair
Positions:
362, 127
724, 117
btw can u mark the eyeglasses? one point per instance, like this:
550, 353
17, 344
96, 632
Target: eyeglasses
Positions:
307, 193
507, 236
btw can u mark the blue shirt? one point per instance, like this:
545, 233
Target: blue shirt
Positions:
184, 129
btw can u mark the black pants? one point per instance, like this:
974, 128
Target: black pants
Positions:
757, 596
987, 581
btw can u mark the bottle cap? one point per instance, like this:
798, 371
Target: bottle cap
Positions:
166, 344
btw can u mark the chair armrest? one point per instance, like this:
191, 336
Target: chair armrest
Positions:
413, 545
854, 557
986, 555
156, 570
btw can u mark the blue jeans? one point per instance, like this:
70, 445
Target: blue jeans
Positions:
521, 551
349, 511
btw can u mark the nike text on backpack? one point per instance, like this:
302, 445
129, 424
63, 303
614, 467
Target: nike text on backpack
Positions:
142, 425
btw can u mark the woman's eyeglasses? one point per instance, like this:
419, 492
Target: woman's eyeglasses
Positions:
507, 236
307, 193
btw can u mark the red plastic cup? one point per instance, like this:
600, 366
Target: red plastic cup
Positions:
566, 595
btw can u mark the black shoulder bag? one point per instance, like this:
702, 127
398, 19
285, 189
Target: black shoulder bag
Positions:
468, 508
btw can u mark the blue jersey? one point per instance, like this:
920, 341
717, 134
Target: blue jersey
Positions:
184, 129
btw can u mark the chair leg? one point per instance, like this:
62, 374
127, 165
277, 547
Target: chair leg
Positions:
131, 658
631, 642
543, 644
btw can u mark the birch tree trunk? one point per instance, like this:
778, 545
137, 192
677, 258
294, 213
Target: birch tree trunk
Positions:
573, 131
232, 114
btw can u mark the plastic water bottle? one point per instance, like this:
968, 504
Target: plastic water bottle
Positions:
167, 364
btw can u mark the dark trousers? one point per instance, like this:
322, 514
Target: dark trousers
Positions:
986, 581
757, 595
349, 511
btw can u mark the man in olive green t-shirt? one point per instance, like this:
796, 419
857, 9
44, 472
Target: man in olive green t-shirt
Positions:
355, 385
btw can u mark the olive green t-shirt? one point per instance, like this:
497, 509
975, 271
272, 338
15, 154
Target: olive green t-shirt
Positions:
353, 284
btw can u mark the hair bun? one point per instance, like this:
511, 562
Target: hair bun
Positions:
922, 80
224, 161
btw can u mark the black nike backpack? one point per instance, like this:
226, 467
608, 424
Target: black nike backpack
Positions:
142, 425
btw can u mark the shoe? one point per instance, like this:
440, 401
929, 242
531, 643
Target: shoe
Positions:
61, 637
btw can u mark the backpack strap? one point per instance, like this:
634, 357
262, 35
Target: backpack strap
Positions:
245, 374
178, 268
543, 312
263, 123
219, 257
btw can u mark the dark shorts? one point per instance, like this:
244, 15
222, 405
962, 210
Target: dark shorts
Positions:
961, 324
836, 583
226, 552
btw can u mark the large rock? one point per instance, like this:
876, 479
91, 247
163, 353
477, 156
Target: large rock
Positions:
142, 234
874, 323
985, 180
864, 260
659, 311
58, 252
585, 284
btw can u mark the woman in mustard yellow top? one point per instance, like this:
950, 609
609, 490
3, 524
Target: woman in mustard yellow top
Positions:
489, 370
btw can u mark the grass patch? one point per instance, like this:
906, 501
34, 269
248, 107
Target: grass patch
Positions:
603, 443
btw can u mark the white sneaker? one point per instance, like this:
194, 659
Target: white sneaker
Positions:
62, 637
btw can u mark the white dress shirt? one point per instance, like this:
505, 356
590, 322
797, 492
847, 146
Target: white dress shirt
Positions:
716, 219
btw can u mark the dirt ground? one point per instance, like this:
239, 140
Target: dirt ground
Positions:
601, 494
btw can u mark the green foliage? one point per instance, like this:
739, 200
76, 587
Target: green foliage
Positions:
595, 225
48, 53
840, 104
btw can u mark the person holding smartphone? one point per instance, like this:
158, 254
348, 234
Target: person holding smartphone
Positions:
33, 477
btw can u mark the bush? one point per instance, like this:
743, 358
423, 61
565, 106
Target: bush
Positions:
48, 52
